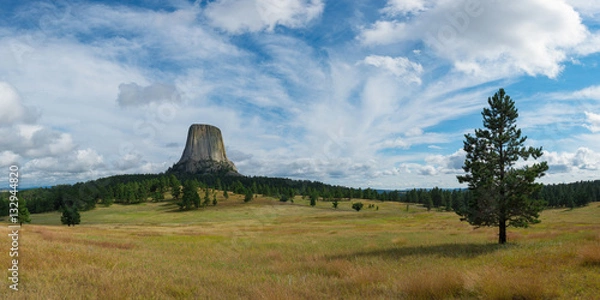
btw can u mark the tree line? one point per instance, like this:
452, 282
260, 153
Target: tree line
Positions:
138, 188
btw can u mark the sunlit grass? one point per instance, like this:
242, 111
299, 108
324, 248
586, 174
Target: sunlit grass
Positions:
266, 249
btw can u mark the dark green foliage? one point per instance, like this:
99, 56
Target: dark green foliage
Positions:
206, 201
335, 204
313, 199
158, 196
248, 196
427, 201
284, 198
122, 190
70, 216
572, 194
190, 197
502, 193
357, 206
23, 212
175, 187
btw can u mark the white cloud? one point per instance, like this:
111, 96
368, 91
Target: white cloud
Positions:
585, 7
491, 39
395, 7
572, 162
12, 109
593, 121
237, 16
591, 93
475, 42
8, 158
590, 45
78, 161
400, 67
131, 94
384, 33
444, 164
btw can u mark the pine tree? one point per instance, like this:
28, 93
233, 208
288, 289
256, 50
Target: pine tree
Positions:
248, 197
24, 216
190, 195
427, 201
206, 197
501, 192
70, 216
175, 187
313, 199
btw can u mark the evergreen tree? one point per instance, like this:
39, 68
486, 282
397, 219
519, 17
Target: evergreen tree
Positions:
225, 194
501, 192
427, 201
175, 187
190, 195
313, 200
70, 216
248, 197
24, 216
206, 197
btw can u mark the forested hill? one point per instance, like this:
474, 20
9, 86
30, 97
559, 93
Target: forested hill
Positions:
132, 189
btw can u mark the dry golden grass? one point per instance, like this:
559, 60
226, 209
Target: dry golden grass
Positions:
272, 250
590, 255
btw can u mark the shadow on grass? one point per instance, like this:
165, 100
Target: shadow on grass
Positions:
442, 250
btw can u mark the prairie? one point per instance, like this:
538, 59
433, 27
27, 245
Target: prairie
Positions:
266, 249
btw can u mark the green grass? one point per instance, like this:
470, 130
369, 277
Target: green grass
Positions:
266, 249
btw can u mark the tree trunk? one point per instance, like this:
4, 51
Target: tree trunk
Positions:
502, 232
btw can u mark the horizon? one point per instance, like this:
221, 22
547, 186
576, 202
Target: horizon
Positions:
351, 93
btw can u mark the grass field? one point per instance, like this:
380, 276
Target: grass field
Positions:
271, 250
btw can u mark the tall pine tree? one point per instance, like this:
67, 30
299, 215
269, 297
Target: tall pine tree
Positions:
501, 191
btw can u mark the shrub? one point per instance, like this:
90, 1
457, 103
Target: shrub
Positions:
357, 206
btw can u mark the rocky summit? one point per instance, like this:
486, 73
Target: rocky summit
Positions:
204, 153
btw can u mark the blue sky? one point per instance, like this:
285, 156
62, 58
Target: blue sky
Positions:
357, 93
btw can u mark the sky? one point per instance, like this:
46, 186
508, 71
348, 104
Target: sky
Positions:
359, 93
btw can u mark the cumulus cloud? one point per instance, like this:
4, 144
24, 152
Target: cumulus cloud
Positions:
565, 162
593, 122
468, 34
79, 161
585, 7
12, 110
131, 94
237, 16
400, 67
446, 164
8, 158
472, 39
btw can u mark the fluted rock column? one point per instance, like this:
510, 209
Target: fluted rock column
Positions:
204, 152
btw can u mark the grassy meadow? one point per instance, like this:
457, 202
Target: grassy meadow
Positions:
266, 249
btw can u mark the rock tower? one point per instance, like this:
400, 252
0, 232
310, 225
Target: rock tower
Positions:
204, 153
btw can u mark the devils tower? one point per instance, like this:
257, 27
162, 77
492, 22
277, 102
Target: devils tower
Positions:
204, 153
